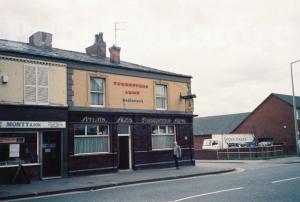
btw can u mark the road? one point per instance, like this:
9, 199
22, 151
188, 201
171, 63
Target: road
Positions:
253, 182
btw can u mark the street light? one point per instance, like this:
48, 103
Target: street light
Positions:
294, 107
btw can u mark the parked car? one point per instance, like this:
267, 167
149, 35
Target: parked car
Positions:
264, 144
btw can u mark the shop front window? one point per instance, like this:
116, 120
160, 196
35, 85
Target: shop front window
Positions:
91, 138
163, 136
18, 148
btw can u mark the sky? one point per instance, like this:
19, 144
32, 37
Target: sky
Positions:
238, 52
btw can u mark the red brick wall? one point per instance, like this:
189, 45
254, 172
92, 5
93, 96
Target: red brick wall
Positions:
198, 140
267, 121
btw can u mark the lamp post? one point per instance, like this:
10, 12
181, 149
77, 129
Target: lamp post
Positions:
294, 107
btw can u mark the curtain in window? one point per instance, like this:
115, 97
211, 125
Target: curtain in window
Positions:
162, 141
90, 144
160, 93
97, 84
97, 91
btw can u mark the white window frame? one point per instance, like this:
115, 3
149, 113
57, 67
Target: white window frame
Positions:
36, 85
104, 85
165, 96
98, 135
163, 134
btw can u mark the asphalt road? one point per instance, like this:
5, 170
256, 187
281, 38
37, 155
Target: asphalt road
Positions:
253, 182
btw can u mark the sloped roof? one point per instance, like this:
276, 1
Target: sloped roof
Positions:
288, 99
55, 53
217, 124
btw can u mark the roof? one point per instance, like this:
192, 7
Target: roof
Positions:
222, 124
288, 99
55, 53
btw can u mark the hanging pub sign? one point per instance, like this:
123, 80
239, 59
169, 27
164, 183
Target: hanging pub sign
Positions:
32, 124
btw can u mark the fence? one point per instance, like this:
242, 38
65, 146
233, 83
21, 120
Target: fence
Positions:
240, 153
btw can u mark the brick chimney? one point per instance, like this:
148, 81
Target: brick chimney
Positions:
41, 40
98, 48
115, 54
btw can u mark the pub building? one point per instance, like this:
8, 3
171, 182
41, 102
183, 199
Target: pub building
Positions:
120, 115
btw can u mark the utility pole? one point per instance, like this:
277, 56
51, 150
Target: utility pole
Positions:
294, 108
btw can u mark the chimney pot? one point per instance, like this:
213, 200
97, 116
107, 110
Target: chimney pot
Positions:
115, 54
98, 48
41, 40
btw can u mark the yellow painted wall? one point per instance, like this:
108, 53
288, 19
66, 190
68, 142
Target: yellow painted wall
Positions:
13, 91
57, 85
118, 89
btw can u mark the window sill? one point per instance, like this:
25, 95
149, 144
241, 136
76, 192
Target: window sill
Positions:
100, 106
91, 154
161, 109
16, 165
165, 149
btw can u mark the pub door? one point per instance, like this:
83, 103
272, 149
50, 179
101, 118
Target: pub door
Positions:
123, 152
51, 151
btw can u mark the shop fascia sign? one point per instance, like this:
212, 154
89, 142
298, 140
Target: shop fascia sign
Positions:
32, 124
162, 121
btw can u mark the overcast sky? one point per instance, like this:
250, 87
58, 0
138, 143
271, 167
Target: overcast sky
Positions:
238, 51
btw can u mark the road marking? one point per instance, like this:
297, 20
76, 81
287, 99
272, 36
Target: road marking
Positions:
114, 187
237, 170
209, 193
283, 180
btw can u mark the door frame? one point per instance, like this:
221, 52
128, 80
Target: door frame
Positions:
129, 144
41, 135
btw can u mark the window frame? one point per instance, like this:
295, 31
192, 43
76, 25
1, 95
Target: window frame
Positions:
163, 134
165, 96
98, 135
37, 152
98, 92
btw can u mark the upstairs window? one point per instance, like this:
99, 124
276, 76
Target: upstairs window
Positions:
35, 85
97, 91
161, 97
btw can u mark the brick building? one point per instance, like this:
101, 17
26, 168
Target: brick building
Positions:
273, 121
67, 113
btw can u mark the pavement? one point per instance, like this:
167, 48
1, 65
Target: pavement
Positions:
92, 182
128, 177
283, 160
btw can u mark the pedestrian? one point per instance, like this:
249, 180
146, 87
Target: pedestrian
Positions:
176, 154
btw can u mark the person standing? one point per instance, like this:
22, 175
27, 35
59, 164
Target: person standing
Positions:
176, 154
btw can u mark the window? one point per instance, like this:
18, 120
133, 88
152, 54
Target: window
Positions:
91, 138
97, 91
161, 96
35, 84
163, 136
18, 148
123, 129
298, 114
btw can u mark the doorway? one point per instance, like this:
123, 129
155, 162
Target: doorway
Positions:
124, 147
51, 154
